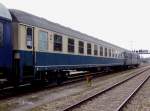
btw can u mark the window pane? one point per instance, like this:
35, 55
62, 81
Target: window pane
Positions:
1, 34
105, 52
89, 49
70, 45
95, 50
29, 34
43, 41
109, 52
101, 51
81, 47
57, 42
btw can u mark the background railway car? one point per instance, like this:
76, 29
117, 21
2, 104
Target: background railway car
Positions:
5, 45
131, 59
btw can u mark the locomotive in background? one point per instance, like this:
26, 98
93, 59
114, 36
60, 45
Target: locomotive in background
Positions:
35, 49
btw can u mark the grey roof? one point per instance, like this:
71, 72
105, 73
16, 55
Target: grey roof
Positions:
4, 12
26, 18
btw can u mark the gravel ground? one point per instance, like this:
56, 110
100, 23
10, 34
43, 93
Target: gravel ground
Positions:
111, 100
140, 101
57, 97
68, 100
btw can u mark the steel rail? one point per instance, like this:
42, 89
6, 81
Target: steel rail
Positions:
75, 105
131, 95
5, 95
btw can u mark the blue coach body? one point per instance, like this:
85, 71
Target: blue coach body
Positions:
5, 43
56, 61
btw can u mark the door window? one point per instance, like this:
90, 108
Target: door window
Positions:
1, 34
29, 36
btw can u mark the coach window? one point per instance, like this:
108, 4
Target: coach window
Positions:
95, 50
57, 42
122, 55
116, 54
29, 37
43, 41
101, 51
119, 55
112, 53
105, 52
81, 47
71, 45
109, 52
1, 34
89, 50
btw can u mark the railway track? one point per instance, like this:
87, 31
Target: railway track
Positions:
65, 94
131, 95
86, 102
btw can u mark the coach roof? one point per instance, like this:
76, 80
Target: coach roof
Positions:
26, 18
4, 12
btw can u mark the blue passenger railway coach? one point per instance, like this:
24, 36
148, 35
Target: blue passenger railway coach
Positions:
35, 49
5, 44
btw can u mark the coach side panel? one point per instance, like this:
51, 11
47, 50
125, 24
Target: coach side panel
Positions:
51, 58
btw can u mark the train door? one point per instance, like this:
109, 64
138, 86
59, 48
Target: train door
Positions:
23, 63
29, 59
5, 50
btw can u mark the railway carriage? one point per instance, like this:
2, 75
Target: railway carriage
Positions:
5, 44
43, 46
39, 50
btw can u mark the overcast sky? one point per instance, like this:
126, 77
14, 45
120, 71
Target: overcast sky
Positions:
125, 23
